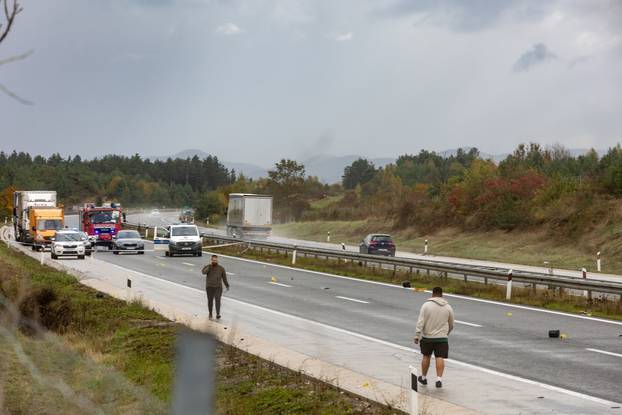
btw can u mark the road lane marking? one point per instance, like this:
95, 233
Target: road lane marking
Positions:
605, 352
188, 263
386, 284
352, 299
466, 323
386, 343
282, 285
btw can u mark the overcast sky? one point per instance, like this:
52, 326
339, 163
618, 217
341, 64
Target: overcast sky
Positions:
257, 80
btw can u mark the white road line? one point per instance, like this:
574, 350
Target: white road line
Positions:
386, 284
282, 285
188, 263
466, 323
605, 352
352, 299
231, 273
386, 343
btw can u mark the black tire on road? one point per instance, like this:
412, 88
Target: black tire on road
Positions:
54, 256
80, 256
200, 253
115, 252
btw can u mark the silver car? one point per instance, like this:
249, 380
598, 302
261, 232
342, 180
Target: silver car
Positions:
128, 240
68, 243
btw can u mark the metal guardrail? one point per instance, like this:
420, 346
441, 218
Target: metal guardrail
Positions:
444, 268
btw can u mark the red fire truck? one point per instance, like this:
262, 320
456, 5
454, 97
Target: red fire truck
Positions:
101, 223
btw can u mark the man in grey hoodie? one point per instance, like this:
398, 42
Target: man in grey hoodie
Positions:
436, 321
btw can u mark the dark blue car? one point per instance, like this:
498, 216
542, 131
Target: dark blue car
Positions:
377, 244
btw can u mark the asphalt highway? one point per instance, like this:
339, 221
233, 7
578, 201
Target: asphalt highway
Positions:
509, 339
505, 338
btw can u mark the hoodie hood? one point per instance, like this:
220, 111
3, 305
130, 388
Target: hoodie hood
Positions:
438, 300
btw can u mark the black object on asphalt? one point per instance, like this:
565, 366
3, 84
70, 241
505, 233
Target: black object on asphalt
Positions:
406, 284
554, 334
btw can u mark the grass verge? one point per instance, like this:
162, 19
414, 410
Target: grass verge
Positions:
519, 247
552, 299
65, 348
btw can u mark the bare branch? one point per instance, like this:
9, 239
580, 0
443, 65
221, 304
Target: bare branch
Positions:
14, 95
16, 57
9, 14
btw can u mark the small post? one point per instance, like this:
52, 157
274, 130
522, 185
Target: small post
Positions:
549, 267
155, 232
146, 232
129, 290
425, 247
328, 236
598, 261
42, 258
294, 256
414, 396
508, 289
343, 246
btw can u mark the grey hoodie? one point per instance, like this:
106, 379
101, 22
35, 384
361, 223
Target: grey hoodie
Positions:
436, 319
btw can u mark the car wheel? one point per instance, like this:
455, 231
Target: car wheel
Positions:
200, 253
88, 254
54, 256
115, 252
167, 253
80, 256
141, 253
34, 248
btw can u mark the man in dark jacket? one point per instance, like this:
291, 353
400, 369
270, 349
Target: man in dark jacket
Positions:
215, 277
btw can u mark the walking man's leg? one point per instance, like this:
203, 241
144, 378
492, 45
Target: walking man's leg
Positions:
440, 366
425, 365
218, 294
210, 300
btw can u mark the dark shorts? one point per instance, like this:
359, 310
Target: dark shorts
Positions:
439, 349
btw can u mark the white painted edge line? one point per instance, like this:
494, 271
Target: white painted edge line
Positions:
188, 263
518, 306
396, 346
352, 299
282, 285
466, 323
604, 352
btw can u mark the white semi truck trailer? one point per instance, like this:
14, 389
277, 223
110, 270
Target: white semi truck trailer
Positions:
249, 215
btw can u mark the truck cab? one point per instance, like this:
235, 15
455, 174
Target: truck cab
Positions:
45, 222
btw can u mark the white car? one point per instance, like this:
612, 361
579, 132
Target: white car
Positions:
184, 239
155, 212
68, 243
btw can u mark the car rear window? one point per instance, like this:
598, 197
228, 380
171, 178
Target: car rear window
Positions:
129, 235
381, 238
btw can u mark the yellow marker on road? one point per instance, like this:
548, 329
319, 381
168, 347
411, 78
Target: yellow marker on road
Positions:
273, 279
508, 314
563, 336
420, 289
365, 385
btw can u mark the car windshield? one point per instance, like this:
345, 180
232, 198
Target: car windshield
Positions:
184, 231
128, 235
49, 224
106, 216
68, 237
381, 238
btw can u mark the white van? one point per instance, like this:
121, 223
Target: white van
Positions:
184, 239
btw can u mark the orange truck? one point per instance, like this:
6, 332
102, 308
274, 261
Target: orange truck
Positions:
36, 217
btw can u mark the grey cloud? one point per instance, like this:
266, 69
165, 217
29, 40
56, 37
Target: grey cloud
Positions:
538, 54
466, 16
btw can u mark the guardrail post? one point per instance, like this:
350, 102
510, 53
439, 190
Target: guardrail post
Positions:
128, 291
42, 257
586, 293
425, 247
598, 261
328, 236
508, 288
294, 256
414, 395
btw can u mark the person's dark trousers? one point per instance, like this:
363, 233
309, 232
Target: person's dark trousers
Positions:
213, 293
